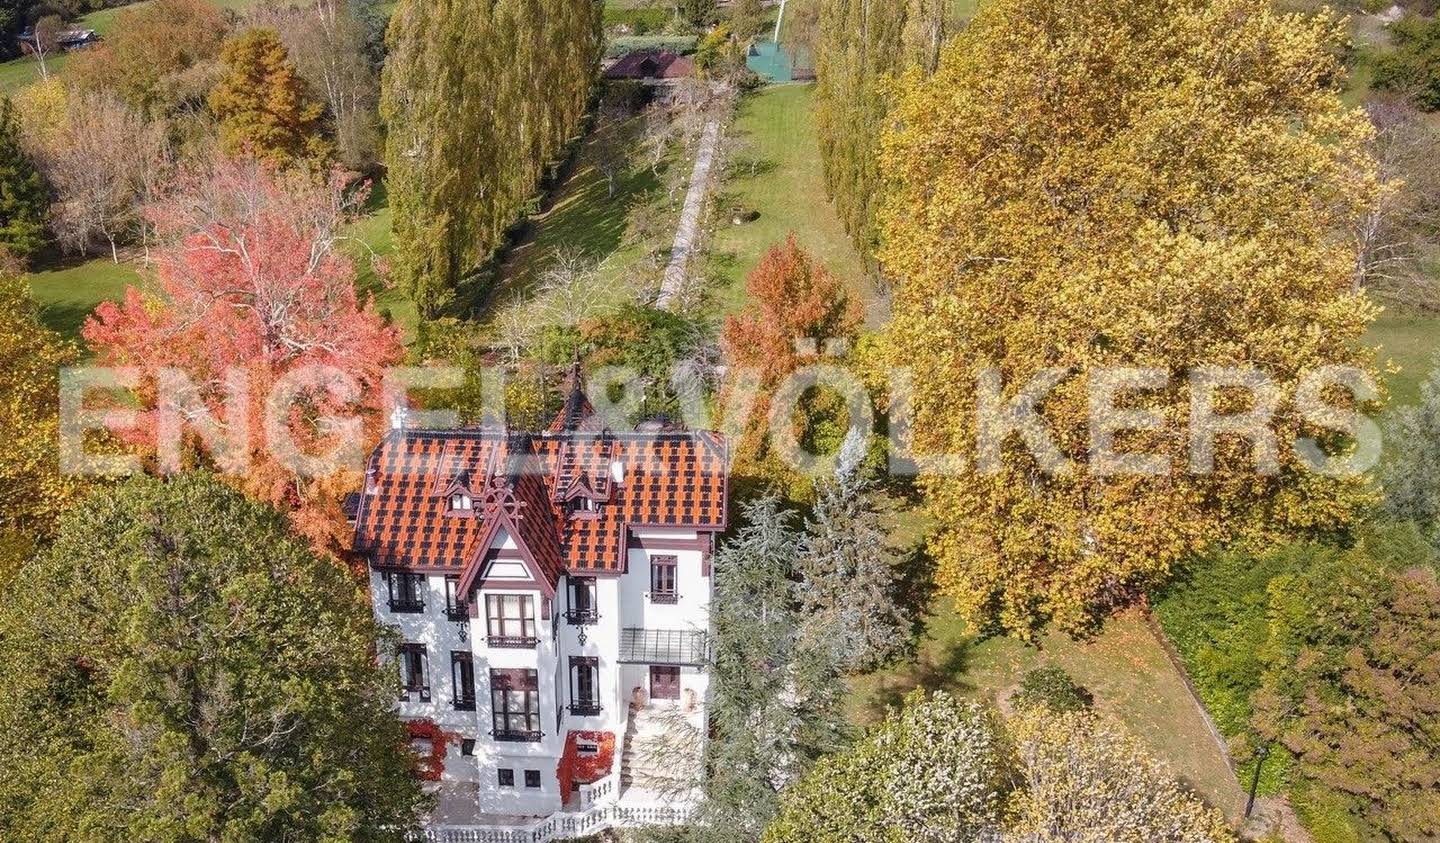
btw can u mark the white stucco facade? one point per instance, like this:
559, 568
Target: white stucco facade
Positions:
631, 635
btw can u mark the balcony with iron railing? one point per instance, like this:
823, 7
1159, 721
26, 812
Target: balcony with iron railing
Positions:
517, 735
407, 605
586, 708
513, 642
582, 617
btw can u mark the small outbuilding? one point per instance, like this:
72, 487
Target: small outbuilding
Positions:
651, 66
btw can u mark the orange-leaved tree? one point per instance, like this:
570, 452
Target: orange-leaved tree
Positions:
797, 312
252, 291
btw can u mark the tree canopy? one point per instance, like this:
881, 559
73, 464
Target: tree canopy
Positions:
1090, 184
23, 199
1351, 680
265, 109
793, 300
480, 99
942, 771
180, 668
933, 772
251, 281
34, 490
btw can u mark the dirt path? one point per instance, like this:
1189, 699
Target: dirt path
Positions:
686, 233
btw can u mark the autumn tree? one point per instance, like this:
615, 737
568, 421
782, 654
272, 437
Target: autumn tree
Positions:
22, 191
1084, 779
158, 56
327, 40
933, 772
265, 109
181, 667
480, 99
31, 484
1351, 682
250, 285
795, 311
1020, 265
105, 163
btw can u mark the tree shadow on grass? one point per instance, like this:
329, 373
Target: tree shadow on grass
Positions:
937, 668
65, 318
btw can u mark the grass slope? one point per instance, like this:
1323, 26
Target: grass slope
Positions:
776, 127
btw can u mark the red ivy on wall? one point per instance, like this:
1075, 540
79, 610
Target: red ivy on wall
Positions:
585, 769
432, 766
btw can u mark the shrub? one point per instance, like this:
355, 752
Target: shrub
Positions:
1053, 688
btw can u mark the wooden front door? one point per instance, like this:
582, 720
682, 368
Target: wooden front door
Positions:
664, 683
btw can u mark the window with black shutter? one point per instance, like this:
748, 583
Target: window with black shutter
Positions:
454, 607
462, 675
582, 602
584, 686
407, 591
414, 672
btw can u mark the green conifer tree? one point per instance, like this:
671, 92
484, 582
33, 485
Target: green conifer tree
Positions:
23, 200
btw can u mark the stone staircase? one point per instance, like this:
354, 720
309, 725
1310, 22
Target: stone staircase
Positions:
656, 754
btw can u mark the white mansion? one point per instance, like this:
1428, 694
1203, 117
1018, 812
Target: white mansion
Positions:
551, 590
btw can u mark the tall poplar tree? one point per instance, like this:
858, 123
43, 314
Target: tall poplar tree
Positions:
1089, 184
480, 99
862, 46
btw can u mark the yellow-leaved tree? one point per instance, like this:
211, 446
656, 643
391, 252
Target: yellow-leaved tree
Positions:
31, 485
1087, 184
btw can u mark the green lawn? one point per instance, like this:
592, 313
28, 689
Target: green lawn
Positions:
775, 127
69, 293
1123, 666
584, 216
1410, 338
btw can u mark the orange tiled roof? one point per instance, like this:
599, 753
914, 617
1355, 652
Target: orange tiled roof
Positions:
670, 479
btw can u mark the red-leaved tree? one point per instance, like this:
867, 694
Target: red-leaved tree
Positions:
257, 353
796, 310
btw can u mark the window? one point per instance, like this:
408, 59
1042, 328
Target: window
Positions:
454, 607
579, 507
515, 705
460, 502
505, 777
584, 685
467, 746
462, 675
582, 602
510, 619
407, 591
662, 579
532, 779
413, 672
